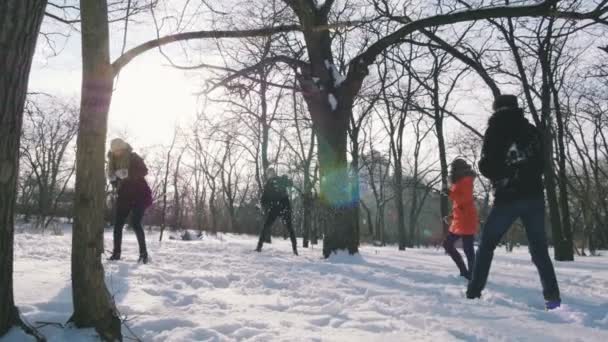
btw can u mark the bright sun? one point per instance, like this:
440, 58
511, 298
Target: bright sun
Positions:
149, 100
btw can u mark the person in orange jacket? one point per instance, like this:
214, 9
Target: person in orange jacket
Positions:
464, 216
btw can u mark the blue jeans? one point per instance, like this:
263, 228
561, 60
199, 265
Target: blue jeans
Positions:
532, 213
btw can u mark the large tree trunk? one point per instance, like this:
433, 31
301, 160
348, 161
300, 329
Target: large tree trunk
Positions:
336, 194
93, 304
20, 22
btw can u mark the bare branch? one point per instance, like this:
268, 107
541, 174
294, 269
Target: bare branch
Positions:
544, 9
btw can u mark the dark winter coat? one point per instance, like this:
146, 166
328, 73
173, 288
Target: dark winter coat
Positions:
275, 191
512, 156
134, 191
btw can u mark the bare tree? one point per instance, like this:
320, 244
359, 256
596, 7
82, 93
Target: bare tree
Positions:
378, 168
93, 304
49, 130
304, 152
534, 58
200, 187
439, 92
330, 96
177, 198
418, 173
397, 93
234, 192
19, 26
587, 155
164, 186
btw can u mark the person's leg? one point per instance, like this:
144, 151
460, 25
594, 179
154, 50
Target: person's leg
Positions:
500, 219
534, 222
136, 217
448, 244
468, 244
119, 222
286, 217
270, 214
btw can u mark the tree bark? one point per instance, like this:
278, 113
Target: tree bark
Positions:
307, 217
403, 239
336, 194
550, 187
93, 304
165, 184
567, 245
20, 22
264, 121
444, 204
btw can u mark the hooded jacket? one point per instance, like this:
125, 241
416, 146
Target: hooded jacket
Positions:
512, 156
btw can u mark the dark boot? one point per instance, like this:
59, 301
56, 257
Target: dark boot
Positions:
473, 295
448, 245
121, 216
114, 256
143, 259
136, 217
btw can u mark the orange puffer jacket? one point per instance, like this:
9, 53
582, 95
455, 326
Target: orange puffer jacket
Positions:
464, 213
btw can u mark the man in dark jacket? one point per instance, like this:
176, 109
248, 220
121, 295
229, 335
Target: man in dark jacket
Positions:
512, 158
127, 171
275, 203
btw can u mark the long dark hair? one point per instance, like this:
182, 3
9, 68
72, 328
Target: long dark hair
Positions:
459, 168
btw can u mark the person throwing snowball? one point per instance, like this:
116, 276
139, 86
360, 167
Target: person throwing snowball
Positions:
512, 158
127, 171
275, 203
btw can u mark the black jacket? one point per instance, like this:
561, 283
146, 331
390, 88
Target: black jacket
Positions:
275, 190
512, 156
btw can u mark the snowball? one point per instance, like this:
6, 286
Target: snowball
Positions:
332, 101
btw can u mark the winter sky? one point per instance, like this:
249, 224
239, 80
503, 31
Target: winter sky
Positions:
150, 96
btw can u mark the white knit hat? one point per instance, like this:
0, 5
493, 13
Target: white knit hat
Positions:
118, 145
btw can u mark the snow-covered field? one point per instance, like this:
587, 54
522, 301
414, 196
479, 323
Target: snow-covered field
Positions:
218, 289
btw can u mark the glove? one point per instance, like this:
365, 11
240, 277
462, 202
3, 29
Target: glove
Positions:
122, 173
447, 219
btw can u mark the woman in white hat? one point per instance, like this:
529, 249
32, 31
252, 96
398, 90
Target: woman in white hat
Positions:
127, 171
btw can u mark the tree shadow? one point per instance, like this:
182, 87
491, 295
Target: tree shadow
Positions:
51, 316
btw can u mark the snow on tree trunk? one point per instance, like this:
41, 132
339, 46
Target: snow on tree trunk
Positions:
20, 22
93, 304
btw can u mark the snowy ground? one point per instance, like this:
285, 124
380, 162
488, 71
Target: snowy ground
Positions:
218, 289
